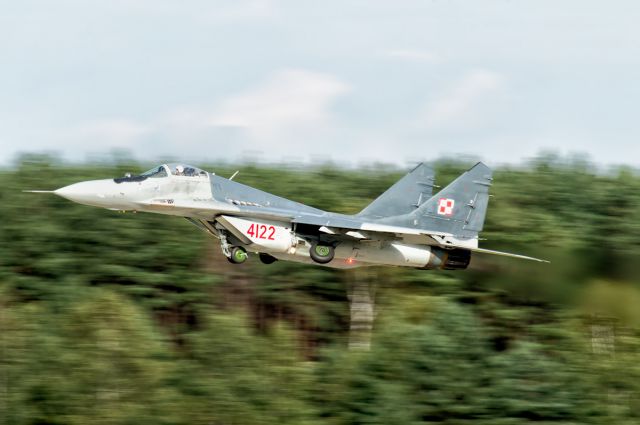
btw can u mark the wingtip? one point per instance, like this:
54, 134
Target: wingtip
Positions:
39, 191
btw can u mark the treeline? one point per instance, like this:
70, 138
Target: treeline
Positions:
138, 318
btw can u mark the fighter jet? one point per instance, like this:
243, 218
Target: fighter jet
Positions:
405, 226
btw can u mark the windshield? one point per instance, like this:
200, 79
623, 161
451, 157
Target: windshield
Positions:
155, 172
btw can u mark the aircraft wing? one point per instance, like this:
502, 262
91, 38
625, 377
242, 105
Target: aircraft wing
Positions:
339, 225
350, 227
363, 230
330, 223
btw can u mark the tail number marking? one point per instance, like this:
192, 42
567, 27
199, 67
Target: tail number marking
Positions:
261, 231
445, 206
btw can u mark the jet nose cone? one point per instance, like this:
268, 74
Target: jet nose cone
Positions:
78, 192
88, 193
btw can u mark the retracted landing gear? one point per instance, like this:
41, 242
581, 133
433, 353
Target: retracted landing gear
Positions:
321, 253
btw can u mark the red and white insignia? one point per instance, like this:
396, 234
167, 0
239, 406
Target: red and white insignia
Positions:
445, 206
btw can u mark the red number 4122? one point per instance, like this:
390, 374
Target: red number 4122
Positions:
260, 231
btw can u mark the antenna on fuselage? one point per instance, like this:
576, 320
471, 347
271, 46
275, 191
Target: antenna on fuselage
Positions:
234, 174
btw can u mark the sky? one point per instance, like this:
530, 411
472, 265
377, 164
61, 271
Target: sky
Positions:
358, 81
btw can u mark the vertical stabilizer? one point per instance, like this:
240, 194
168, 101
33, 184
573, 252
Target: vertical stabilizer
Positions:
405, 196
461, 207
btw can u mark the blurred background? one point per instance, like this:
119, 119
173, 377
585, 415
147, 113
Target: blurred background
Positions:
138, 318
113, 318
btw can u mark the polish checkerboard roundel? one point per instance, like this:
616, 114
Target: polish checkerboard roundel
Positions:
445, 206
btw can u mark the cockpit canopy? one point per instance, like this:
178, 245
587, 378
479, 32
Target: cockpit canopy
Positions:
185, 170
173, 169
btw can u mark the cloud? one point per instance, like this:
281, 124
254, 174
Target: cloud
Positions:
291, 101
414, 55
464, 102
290, 108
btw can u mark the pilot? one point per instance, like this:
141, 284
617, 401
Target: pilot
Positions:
179, 170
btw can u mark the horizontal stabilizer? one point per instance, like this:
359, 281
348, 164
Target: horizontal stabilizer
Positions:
507, 254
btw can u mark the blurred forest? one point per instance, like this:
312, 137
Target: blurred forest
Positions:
110, 318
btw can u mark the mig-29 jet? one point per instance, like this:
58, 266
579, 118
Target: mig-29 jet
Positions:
405, 226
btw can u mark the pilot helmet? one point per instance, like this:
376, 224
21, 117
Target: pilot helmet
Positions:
180, 169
